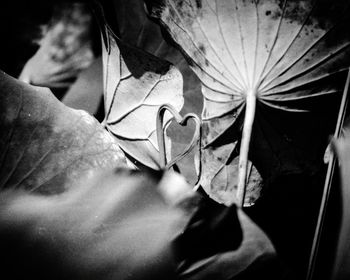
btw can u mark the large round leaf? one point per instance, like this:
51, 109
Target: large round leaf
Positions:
253, 54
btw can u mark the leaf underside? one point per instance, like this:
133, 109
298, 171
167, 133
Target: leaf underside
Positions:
290, 54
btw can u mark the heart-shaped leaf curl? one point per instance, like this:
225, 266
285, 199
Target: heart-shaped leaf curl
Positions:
183, 122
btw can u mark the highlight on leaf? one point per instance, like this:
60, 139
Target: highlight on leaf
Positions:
253, 56
44, 145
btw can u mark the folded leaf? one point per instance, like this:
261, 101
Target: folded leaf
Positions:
46, 146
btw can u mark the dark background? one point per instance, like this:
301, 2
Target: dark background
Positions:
289, 209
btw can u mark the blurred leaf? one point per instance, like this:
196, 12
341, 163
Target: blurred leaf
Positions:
282, 55
127, 224
65, 48
46, 146
114, 225
136, 85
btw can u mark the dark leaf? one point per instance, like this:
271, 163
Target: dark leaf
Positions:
234, 245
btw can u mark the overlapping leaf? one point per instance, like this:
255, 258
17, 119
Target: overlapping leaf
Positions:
250, 55
46, 146
136, 85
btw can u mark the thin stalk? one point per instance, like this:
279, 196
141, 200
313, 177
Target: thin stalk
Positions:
245, 142
328, 184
